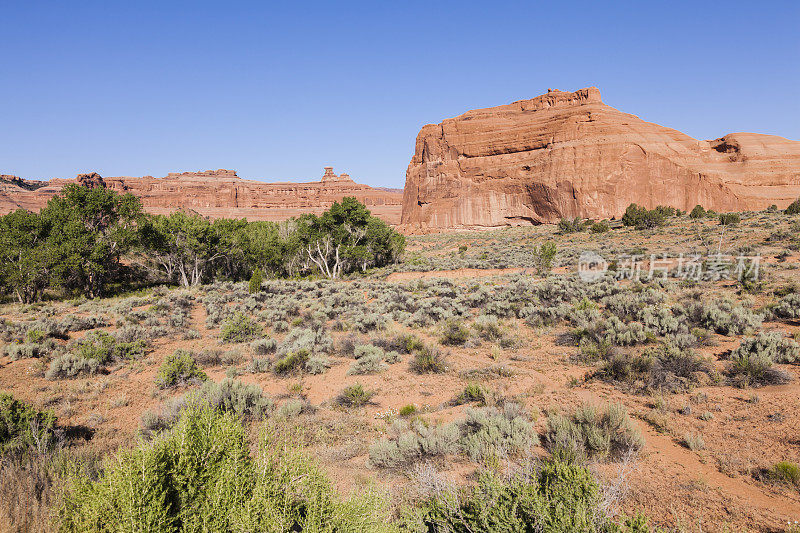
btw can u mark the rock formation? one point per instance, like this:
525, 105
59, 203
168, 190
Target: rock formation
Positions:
215, 193
567, 154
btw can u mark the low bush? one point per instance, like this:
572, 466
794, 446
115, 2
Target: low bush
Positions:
70, 366
664, 367
259, 365
428, 360
774, 345
556, 496
202, 477
694, 441
488, 327
27, 350
454, 334
749, 368
490, 432
785, 472
263, 346
788, 307
473, 392
246, 401
413, 444
575, 225
239, 328
179, 369
23, 427
591, 433
292, 362
355, 396
599, 227
729, 219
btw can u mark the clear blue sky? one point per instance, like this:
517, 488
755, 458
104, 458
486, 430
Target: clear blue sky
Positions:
279, 90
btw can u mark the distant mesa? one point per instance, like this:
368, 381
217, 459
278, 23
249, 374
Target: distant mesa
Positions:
567, 154
214, 193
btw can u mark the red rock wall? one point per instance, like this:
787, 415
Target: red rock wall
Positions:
221, 193
567, 154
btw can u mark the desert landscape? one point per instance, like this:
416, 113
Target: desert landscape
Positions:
662, 365
559, 293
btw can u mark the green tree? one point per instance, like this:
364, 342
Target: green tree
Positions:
794, 208
90, 230
344, 238
182, 246
23, 268
697, 212
544, 256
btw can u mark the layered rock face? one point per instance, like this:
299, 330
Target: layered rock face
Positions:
215, 193
567, 154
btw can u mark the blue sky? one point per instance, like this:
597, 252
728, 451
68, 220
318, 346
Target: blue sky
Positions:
279, 90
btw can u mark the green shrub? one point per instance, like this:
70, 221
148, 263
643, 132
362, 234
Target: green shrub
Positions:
22, 426
556, 497
202, 477
428, 361
794, 208
543, 258
103, 348
592, 433
698, 212
566, 225
785, 472
599, 227
408, 410
473, 392
239, 328
177, 369
729, 219
292, 362
256, 280
454, 334
641, 218
97, 345
355, 396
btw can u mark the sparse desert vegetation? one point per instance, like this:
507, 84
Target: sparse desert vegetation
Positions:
476, 384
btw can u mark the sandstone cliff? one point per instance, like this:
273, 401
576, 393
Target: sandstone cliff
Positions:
567, 154
215, 193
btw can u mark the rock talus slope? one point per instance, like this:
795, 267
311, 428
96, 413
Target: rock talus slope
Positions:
567, 154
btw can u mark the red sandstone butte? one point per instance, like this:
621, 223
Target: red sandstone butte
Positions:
215, 193
567, 154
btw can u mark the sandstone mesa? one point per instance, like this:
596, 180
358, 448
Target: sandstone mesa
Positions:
214, 193
567, 154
